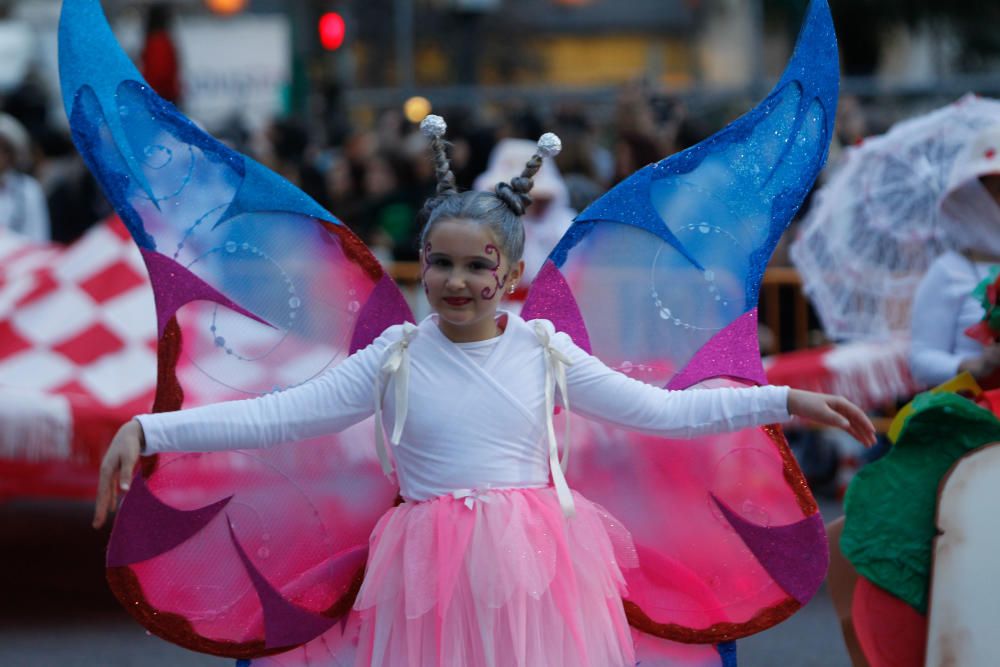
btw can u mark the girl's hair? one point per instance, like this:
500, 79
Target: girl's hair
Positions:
485, 208
500, 211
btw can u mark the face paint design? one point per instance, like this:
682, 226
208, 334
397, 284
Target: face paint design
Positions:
489, 292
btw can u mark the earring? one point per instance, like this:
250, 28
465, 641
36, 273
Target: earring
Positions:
512, 288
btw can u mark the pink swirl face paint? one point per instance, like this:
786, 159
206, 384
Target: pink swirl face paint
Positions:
489, 292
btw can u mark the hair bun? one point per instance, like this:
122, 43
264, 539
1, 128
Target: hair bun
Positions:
549, 145
434, 127
514, 200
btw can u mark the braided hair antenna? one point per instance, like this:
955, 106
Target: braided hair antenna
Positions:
515, 194
433, 127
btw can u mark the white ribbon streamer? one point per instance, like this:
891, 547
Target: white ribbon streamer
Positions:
555, 376
395, 363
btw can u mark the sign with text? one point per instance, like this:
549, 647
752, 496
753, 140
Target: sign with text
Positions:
238, 67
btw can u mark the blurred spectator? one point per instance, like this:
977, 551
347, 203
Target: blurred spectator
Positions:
690, 129
390, 206
235, 134
286, 153
471, 145
389, 128
342, 190
579, 159
521, 121
633, 151
29, 103
944, 305
75, 200
76, 203
159, 61
22, 203
852, 124
359, 147
850, 129
634, 111
414, 150
549, 215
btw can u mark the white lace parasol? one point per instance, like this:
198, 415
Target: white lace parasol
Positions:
874, 228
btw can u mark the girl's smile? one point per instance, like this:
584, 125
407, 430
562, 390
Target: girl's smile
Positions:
465, 274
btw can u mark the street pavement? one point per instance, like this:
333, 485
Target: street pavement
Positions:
55, 609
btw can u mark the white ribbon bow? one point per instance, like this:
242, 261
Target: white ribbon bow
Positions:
471, 496
555, 376
395, 363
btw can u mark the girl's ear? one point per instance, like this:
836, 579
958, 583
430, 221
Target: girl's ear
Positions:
517, 271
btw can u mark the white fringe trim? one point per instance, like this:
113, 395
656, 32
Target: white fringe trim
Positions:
34, 426
870, 374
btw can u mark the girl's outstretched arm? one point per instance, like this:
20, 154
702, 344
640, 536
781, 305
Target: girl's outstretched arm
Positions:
602, 393
331, 402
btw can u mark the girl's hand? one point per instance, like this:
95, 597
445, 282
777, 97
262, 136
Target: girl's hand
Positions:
116, 469
832, 411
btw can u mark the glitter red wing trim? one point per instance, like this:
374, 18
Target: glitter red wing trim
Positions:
793, 475
720, 632
356, 250
169, 393
178, 630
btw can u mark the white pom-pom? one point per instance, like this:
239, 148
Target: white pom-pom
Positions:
433, 126
549, 145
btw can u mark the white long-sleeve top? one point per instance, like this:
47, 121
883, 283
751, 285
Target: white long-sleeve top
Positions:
943, 308
464, 423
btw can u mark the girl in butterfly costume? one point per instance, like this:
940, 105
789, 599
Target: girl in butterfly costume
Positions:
487, 557
490, 559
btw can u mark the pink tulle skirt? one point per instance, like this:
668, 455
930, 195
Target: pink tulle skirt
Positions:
499, 579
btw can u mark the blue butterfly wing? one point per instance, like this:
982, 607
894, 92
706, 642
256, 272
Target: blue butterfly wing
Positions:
257, 289
660, 279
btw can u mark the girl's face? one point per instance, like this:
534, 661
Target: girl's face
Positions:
465, 275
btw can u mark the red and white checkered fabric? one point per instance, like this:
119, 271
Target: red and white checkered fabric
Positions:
78, 358
77, 345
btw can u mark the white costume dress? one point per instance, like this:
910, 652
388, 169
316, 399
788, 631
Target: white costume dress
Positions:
943, 308
480, 565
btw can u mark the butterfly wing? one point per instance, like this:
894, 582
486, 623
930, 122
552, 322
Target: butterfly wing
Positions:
660, 279
257, 289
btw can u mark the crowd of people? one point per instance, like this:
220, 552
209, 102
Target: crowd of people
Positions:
373, 178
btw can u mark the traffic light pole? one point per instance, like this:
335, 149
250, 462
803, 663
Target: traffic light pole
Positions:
404, 47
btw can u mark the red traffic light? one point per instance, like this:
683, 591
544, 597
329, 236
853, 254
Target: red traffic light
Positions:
331, 31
